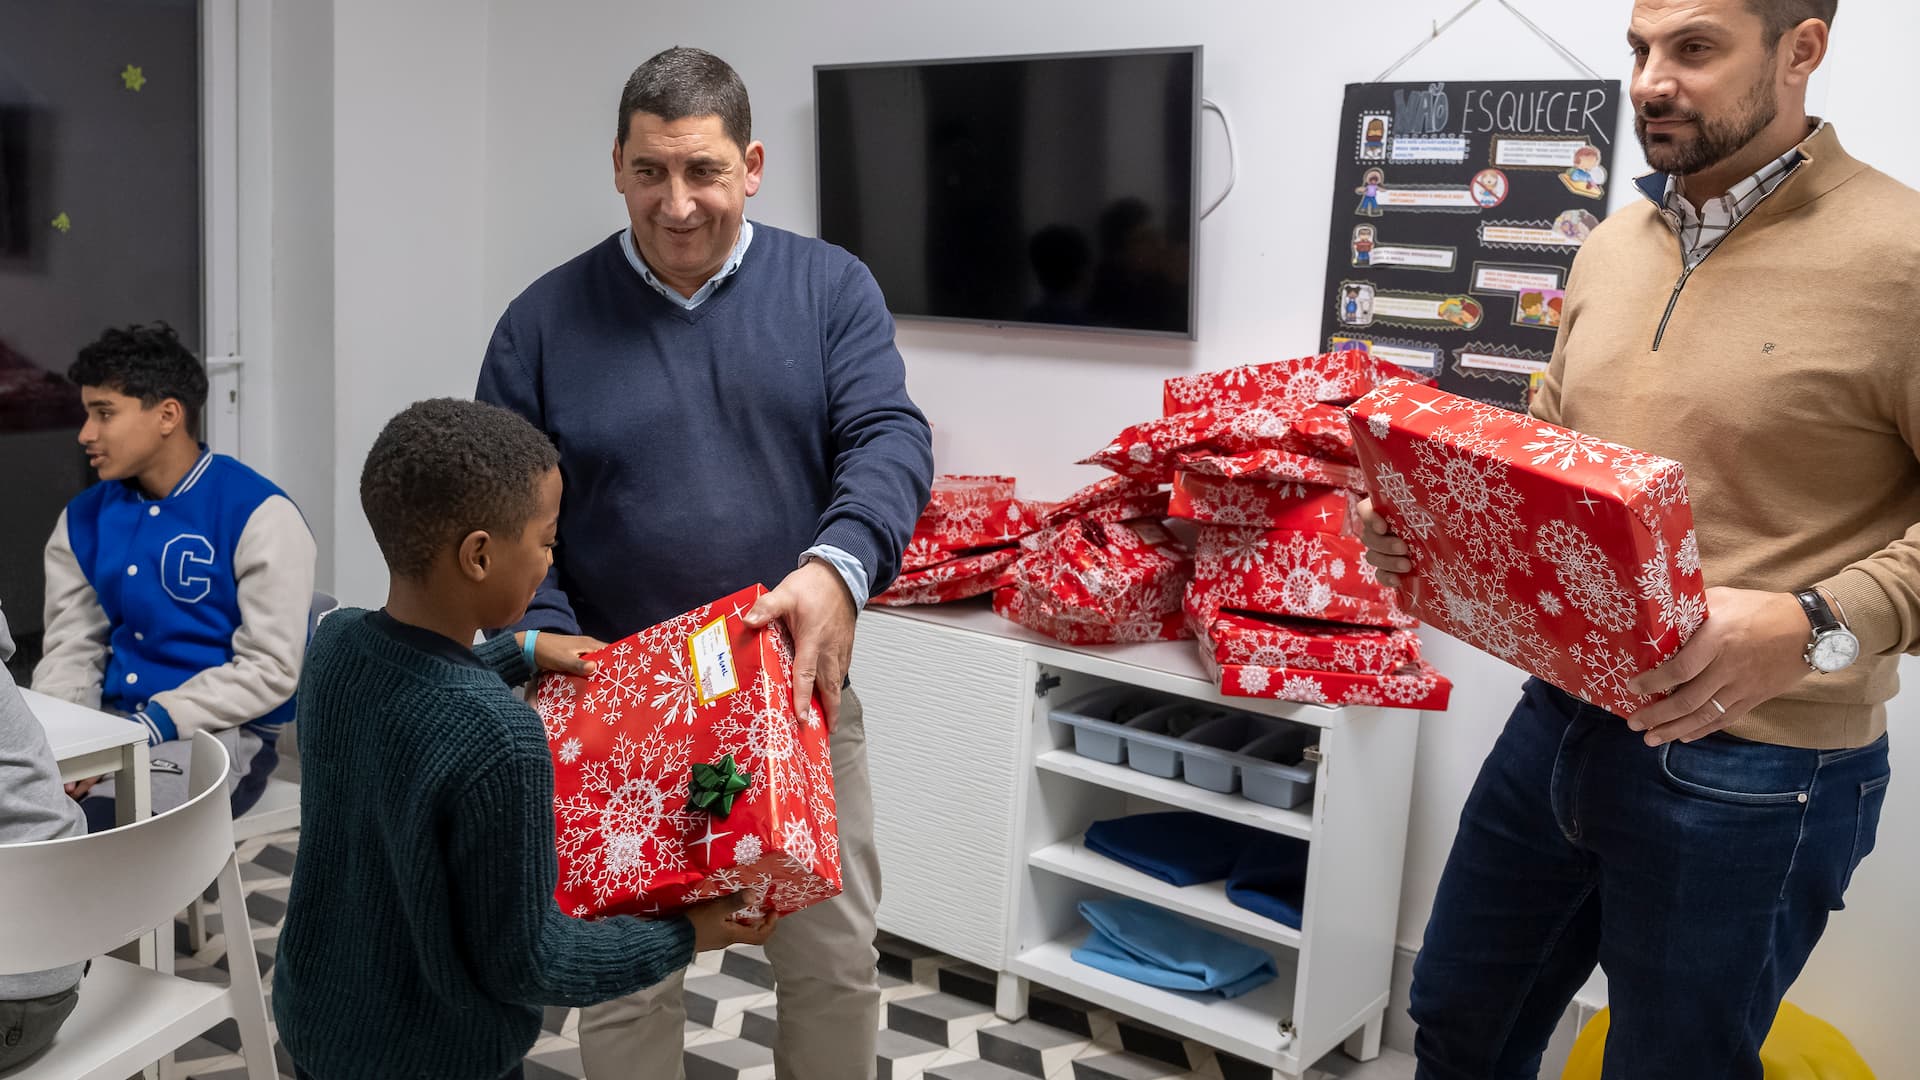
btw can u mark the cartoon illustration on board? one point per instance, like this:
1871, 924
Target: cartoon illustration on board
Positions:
1363, 245
1587, 177
1576, 225
1356, 304
1369, 192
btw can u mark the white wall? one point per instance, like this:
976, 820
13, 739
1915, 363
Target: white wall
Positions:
410, 111
471, 155
300, 428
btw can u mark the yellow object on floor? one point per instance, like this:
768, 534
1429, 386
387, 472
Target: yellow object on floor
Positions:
1801, 1046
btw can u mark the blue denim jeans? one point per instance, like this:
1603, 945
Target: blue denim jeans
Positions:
1698, 875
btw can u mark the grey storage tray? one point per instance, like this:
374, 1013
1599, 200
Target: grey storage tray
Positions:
1230, 733
1157, 739
1276, 773
1171, 738
1096, 719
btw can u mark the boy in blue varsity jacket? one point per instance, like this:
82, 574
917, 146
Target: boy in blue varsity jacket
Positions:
178, 587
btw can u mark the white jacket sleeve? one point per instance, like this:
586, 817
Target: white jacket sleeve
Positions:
74, 652
274, 567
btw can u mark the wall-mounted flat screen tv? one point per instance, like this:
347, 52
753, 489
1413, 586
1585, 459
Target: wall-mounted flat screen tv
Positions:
1050, 190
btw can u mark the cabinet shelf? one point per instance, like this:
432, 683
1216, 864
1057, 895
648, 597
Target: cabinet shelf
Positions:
1207, 901
1248, 1026
1177, 793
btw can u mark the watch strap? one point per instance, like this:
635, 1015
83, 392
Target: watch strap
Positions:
1818, 613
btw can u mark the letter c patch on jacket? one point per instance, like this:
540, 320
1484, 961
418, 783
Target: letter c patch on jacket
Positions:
184, 566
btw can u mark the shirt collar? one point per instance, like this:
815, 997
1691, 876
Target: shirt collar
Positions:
700, 295
1661, 188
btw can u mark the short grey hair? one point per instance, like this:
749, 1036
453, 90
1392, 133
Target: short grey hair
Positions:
684, 81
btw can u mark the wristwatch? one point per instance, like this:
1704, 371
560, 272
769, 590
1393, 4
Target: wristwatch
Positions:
1833, 646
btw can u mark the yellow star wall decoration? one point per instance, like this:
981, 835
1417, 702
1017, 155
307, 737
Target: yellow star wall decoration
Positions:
134, 78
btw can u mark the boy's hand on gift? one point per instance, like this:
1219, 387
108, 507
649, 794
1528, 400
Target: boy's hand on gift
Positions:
562, 652
1750, 650
714, 925
814, 605
1387, 552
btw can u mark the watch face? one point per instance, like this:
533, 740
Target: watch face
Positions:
1834, 651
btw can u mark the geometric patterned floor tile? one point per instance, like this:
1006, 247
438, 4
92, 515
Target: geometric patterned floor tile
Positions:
761, 1024
969, 981
730, 1059
937, 1016
748, 963
1030, 1047
903, 1057
942, 1019
1124, 1067
972, 1070
717, 1001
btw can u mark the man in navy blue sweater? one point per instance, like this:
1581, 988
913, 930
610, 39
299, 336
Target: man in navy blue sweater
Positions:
728, 404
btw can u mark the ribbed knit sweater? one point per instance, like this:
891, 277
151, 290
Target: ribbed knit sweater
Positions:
422, 936
1780, 373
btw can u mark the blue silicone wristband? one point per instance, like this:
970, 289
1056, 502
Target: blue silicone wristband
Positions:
526, 648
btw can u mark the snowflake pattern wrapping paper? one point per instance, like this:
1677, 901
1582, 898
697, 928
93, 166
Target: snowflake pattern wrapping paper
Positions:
1270, 467
955, 579
1414, 686
1008, 604
1149, 451
1104, 498
1304, 574
625, 741
1335, 378
1289, 643
965, 513
1260, 504
1565, 555
1088, 582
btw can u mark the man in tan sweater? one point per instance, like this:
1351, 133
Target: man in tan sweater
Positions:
1753, 318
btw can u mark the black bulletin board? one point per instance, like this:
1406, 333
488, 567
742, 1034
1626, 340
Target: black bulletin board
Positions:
1457, 211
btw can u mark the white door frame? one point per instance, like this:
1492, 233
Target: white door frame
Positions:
236, 145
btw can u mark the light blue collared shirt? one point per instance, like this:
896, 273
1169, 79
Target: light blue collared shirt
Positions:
704, 292
850, 569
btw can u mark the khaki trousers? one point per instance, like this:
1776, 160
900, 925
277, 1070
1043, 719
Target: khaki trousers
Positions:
824, 963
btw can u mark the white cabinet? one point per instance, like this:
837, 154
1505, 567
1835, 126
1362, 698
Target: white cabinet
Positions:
945, 727
982, 803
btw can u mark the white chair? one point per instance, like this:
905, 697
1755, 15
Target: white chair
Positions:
70, 900
278, 808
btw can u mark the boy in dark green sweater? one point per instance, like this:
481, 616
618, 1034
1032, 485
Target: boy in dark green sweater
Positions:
422, 937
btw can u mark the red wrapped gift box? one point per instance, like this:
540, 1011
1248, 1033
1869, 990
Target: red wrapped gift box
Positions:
1283, 643
1334, 377
1259, 504
1111, 581
1415, 686
1101, 495
1149, 451
955, 579
1007, 604
1308, 575
1568, 556
1271, 467
628, 746
969, 512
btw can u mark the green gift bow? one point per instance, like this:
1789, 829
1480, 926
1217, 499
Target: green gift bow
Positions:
716, 785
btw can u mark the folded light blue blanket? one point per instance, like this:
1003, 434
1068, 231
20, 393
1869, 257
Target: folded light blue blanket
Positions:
1145, 944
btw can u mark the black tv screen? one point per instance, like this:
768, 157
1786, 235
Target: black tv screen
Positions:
1050, 190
